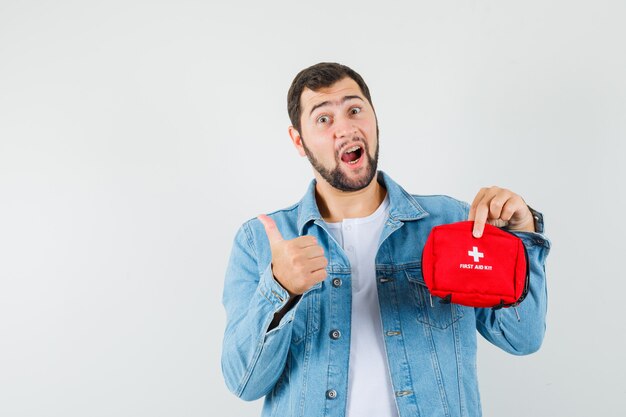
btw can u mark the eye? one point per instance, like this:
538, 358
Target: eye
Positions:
323, 119
355, 110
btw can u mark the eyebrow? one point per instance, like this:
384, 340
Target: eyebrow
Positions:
327, 102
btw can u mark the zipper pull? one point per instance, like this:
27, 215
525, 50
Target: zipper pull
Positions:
431, 300
517, 314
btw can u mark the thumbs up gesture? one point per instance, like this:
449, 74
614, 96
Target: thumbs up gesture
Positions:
297, 264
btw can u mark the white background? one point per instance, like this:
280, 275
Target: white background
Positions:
136, 136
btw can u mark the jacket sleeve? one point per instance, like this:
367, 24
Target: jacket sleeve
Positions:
253, 358
521, 332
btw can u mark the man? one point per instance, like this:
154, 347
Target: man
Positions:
327, 312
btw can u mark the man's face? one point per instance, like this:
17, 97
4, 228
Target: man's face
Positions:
339, 135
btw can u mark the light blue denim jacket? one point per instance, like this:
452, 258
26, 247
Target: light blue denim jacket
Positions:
301, 366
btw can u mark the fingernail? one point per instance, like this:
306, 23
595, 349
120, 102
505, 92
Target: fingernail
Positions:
477, 233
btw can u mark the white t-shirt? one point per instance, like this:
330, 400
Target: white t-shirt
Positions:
370, 392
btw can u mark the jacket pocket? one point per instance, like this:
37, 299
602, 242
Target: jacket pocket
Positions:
307, 317
429, 310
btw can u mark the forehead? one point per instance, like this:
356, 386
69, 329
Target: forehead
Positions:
333, 93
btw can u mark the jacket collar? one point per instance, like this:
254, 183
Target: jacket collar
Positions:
402, 206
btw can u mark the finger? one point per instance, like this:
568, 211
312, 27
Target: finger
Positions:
318, 263
482, 211
273, 234
305, 241
496, 204
319, 275
522, 218
311, 252
477, 199
509, 209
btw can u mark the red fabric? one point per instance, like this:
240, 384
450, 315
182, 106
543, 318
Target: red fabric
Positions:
490, 271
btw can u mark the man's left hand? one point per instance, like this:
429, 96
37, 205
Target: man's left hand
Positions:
500, 207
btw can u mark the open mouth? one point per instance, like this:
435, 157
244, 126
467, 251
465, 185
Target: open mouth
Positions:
352, 155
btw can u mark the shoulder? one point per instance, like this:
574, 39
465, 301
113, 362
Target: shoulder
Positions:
437, 207
437, 201
443, 208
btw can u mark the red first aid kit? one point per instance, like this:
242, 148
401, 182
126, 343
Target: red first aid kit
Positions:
490, 271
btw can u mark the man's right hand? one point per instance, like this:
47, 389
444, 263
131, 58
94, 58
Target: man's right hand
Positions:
297, 264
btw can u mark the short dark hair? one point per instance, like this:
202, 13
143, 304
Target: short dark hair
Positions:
319, 76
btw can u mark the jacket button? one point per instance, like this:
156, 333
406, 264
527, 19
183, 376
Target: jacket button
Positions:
331, 394
335, 334
336, 282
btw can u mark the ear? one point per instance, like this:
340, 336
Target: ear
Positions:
297, 140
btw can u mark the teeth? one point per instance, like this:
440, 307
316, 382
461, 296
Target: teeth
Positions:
352, 149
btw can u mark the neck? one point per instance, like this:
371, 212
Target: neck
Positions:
335, 205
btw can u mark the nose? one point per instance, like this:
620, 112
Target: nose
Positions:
344, 127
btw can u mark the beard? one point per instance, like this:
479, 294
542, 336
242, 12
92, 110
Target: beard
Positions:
337, 178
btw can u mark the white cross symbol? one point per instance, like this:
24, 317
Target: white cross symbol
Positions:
477, 255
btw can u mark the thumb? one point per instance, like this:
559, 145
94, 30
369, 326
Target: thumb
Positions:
273, 234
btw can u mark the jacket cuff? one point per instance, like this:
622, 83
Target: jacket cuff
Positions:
272, 290
536, 238
531, 239
537, 219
